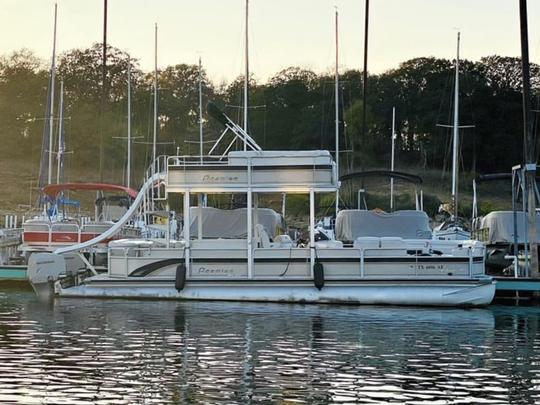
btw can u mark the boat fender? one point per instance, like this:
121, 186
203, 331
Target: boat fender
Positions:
318, 275
180, 279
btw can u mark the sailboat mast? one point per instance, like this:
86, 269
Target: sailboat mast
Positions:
336, 96
51, 101
392, 159
154, 141
200, 113
246, 78
60, 152
128, 169
455, 142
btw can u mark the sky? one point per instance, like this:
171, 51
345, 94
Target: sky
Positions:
282, 33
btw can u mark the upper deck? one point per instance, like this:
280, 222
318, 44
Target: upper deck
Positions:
258, 171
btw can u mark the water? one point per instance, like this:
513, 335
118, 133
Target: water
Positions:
82, 351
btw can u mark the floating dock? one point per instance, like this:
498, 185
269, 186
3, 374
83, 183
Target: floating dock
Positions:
13, 273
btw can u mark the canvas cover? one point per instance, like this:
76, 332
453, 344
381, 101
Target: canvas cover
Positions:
407, 224
499, 226
231, 224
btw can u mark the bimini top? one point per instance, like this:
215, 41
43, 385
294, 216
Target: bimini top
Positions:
406, 224
499, 226
52, 190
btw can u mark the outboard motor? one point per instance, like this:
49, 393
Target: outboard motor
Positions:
43, 271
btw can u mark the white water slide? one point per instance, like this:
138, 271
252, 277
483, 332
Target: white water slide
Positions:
121, 222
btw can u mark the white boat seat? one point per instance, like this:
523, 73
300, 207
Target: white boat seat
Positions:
263, 240
367, 242
329, 244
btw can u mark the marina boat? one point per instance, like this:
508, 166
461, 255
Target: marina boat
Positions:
58, 227
504, 232
257, 261
454, 227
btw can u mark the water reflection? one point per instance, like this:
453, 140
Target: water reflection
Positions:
119, 351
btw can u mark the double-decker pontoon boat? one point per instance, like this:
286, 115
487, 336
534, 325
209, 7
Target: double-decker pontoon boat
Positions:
257, 261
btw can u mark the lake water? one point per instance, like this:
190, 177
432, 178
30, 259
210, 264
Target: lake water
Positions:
82, 351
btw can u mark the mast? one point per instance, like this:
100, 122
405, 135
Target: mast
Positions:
455, 141
51, 101
392, 158
154, 142
104, 92
60, 153
365, 73
246, 78
128, 169
528, 142
336, 96
200, 112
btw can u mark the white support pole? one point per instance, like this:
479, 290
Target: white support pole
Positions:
255, 209
249, 232
311, 231
249, 214
60, 151
200, 216
187, 223
336, 96
392, 158
51, 100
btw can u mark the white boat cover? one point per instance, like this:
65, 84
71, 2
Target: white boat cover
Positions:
232, 224
500, 226
406, 224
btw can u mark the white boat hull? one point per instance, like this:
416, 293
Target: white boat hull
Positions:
390, 292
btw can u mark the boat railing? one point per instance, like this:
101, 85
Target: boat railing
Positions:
196, 160
54, 232
161, 252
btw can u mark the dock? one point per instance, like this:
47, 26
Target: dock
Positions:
13, 273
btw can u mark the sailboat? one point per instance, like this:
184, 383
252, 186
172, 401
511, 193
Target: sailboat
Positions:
454, 229
60, 222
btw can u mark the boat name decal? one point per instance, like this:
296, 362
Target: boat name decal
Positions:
206, 270
211, 178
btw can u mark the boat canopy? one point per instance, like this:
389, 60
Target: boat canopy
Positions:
52, 190
499, 226
232, 224
406, 224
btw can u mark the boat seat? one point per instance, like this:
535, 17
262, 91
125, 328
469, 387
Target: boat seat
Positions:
263, 240
329, 244
367, 242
